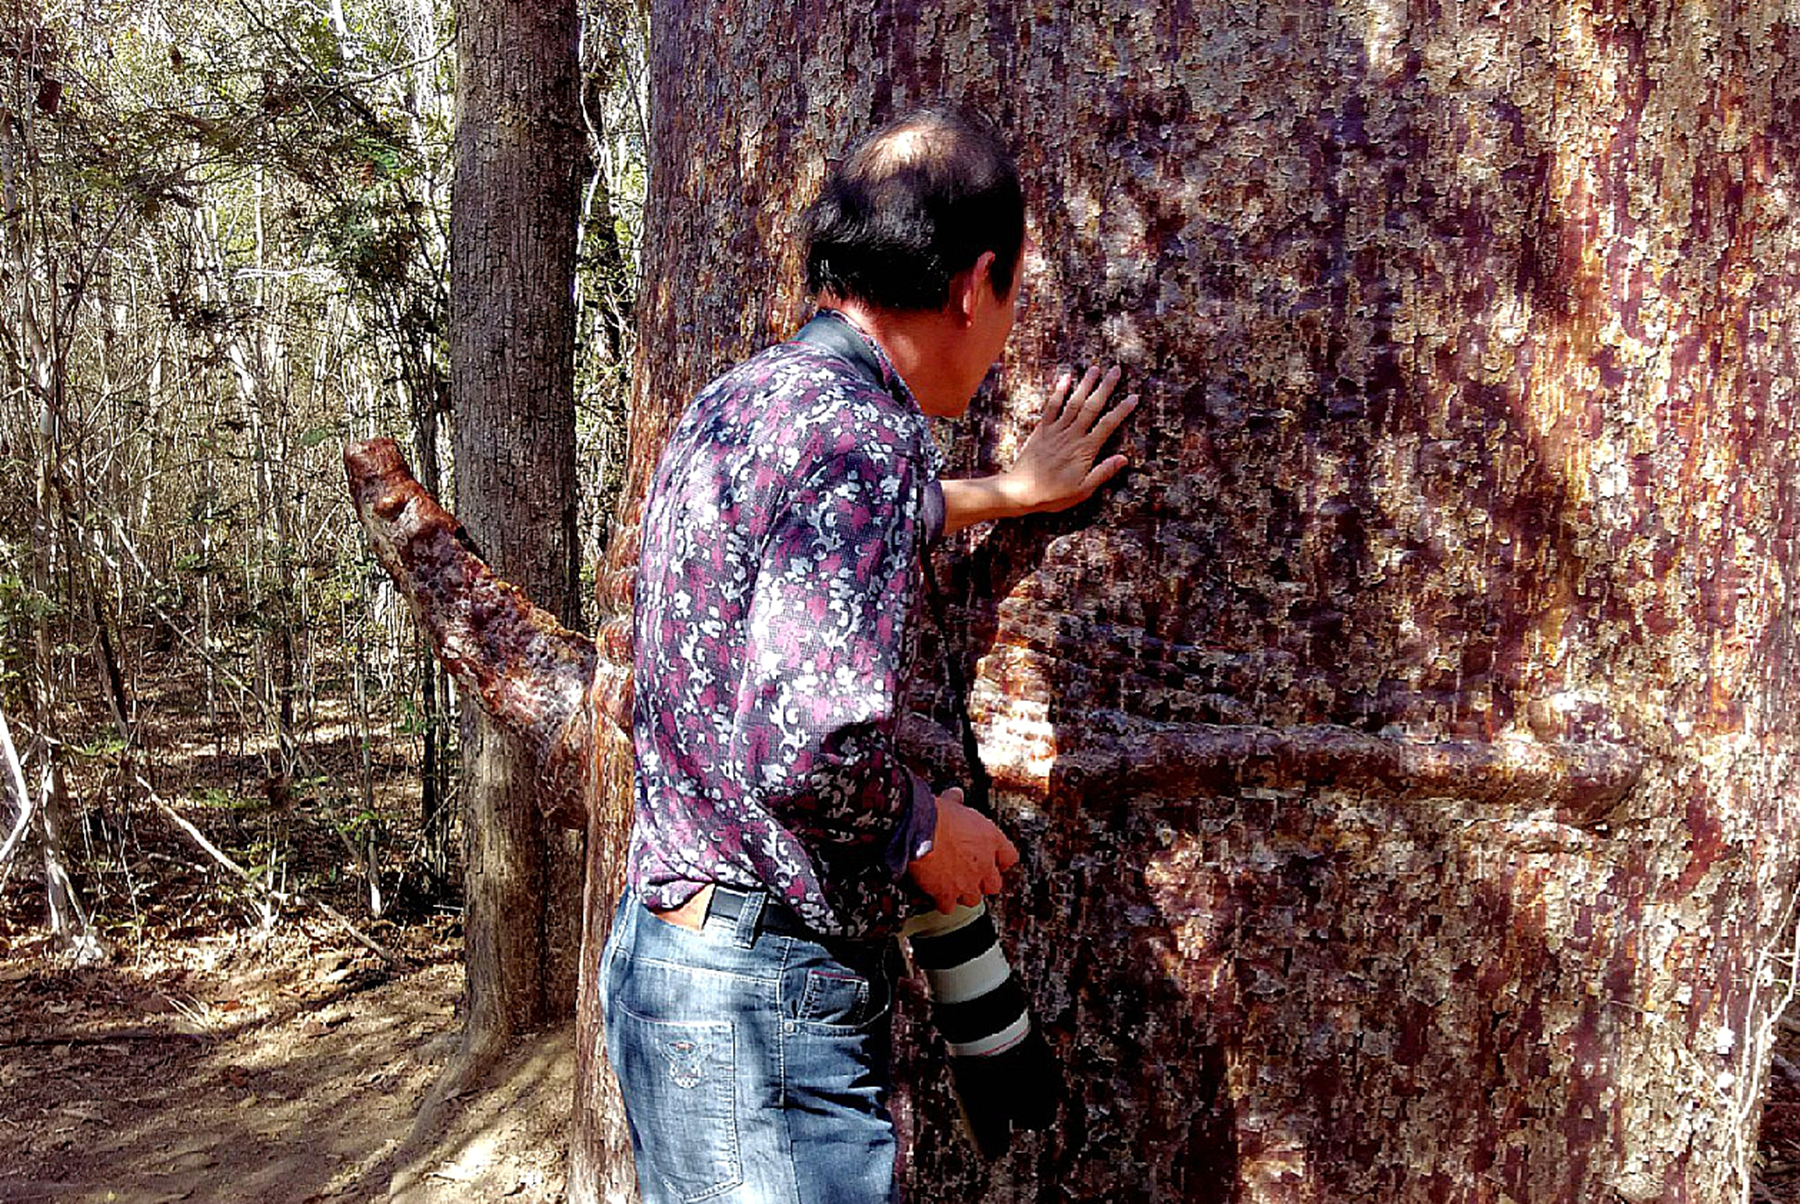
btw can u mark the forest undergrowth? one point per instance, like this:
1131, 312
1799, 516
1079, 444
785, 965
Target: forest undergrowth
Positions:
230, 1047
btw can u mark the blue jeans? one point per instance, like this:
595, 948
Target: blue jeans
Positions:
755, 1065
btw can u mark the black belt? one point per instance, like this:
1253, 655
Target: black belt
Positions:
728, 903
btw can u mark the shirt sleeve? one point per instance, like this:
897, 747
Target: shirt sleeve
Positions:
825, 664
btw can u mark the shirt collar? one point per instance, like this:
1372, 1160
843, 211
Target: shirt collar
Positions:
885, 374
833, 332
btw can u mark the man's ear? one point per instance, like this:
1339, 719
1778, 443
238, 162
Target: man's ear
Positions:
966, 289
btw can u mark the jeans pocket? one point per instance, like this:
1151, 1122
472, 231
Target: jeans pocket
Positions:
679, 1079
842, 998
835, 998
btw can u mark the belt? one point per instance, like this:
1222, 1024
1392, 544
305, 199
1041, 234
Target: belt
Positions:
729, 904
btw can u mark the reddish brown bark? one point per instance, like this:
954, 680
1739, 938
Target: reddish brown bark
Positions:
1402, 753
511, 343
565, 698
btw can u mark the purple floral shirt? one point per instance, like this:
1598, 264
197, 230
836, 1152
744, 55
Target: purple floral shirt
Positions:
776, 604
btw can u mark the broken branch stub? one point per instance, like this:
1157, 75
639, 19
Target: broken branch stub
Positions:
528, 672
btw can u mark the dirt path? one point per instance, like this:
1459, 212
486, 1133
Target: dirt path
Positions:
241, 1069
221, 1061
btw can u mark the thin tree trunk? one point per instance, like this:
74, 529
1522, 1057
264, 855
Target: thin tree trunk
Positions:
106, 658
14, 781
424, 397
51, 820
512, 364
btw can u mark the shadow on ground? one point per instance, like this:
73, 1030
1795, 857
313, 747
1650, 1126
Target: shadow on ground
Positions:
247, 1068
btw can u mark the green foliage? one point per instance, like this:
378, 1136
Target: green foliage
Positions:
21, 609
229, 242
320, 434
104, 746
218, 798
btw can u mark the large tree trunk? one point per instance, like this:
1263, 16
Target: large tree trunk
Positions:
1403, 751
512, 266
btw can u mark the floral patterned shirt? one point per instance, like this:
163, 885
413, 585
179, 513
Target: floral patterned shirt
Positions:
775, 620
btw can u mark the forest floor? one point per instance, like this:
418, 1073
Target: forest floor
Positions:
228, 1050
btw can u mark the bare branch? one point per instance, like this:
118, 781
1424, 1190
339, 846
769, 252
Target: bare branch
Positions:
16, 776
280, 896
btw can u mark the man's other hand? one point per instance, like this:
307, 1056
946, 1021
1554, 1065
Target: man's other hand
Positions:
968, 855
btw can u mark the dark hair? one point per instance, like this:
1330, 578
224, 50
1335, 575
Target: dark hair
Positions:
916, 202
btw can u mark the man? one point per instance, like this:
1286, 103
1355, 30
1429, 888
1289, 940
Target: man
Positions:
778, 840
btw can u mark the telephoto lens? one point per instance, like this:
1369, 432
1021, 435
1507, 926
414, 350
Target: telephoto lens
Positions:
1000, 1067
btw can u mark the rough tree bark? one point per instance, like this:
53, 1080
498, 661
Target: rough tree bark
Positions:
1403, 751
512, 248
563, 698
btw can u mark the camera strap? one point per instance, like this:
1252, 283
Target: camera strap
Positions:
832, 333
978, 792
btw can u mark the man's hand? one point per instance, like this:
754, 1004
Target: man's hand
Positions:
968, 855
1056, 468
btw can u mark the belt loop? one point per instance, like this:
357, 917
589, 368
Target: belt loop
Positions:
749, 918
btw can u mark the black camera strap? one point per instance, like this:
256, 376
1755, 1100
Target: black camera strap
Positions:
978, 793
831, 332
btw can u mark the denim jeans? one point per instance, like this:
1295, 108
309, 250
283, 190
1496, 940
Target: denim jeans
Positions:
755, 1066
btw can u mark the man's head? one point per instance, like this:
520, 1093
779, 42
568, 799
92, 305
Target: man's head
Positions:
917, 203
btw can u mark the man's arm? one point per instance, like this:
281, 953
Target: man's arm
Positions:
823, 667
1056, 468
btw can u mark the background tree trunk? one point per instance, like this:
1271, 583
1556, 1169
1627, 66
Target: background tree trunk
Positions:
512, 251
1403, 750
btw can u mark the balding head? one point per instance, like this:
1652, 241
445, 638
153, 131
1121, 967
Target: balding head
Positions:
915, 203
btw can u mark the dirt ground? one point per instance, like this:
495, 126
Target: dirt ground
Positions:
271, 1067
235, 1069
231, 1050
